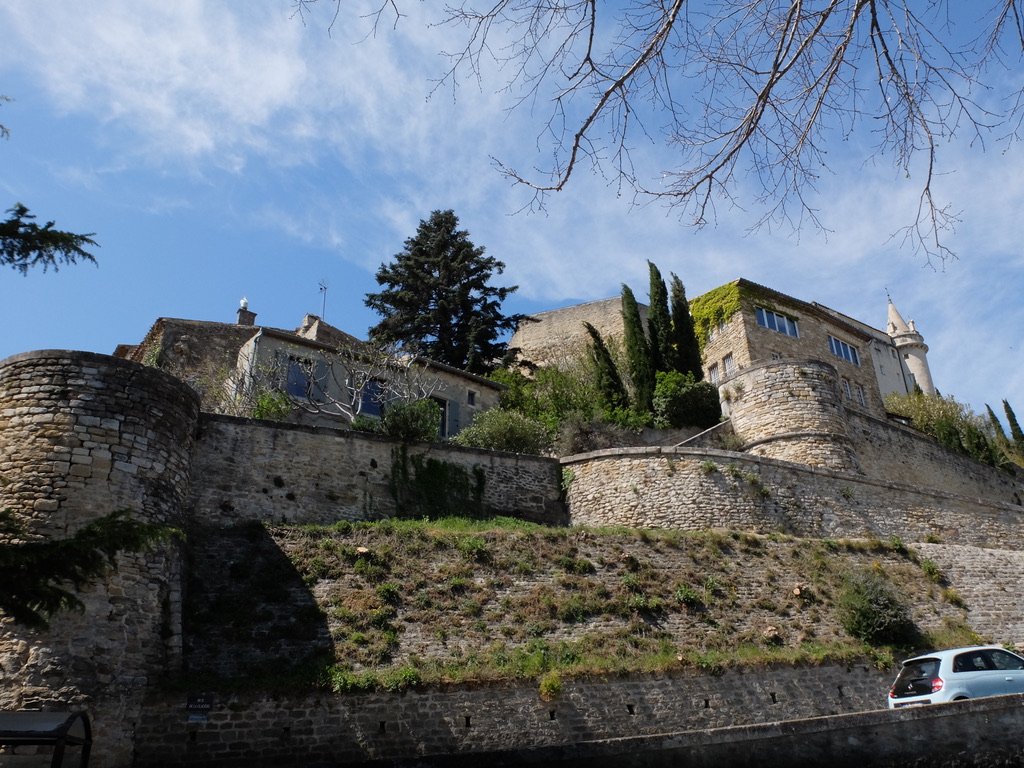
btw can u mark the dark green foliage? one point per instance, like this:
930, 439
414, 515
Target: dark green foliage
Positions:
686, 350
24, 244
682, 401
659, 324
638, 353
424, 487
415, 422
499, 430
609, 384
870, 610
551, 396
994, 421
39, 578
1015, 430
950, 423
437, 299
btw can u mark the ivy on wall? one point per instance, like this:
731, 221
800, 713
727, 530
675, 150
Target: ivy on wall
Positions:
720, 304
425, 487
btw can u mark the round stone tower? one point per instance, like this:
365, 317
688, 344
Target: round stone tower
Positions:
791, 410
83, 435
910, 345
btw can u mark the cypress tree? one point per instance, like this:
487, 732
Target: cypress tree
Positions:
684, 339
996, 426
609, 383
638, 353
1015, 430
659, 324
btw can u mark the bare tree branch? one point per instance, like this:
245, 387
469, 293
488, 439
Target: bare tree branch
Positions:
746, 91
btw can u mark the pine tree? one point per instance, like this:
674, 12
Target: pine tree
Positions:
638, 353
686, 357
437, 300
659, 324
1015, 430
609, 383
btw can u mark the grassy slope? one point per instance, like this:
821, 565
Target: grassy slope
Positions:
397, 603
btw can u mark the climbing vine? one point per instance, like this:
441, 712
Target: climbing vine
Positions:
425, 487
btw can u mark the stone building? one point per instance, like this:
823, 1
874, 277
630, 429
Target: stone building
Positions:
329, 375
742, 324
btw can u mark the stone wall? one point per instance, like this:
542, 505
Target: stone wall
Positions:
559, 334
258, 470
792, 411
697, 489
83, 435
342, 730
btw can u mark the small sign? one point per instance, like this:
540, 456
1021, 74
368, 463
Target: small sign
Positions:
198, 708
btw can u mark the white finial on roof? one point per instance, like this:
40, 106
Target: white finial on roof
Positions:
244, 303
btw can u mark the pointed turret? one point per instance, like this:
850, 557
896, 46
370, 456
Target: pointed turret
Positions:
910, 344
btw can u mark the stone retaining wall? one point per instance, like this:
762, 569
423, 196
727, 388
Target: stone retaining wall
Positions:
696, 489
344, 730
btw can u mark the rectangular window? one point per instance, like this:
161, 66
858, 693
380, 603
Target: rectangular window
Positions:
775, 322
470, 397
846, 389
304, 379
860, 395
843, 350
443, 426
371, 399
728, 364
713, 373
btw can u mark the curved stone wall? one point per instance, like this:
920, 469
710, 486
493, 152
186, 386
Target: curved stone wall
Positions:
691, 489
83, 435
791, 410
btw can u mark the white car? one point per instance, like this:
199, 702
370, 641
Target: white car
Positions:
958, 673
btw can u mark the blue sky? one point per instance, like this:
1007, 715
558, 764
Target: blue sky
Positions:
220, 153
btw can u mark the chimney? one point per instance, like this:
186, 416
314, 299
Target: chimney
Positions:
245, 317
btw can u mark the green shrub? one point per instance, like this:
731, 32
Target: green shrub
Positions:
498, 430
870, 610
364, 423
682, 401
273, 405
415, 422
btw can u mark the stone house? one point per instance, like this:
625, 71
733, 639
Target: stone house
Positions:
329, 375
742, 324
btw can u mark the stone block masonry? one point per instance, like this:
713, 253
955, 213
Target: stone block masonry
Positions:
270, 471
81, 436
345, 730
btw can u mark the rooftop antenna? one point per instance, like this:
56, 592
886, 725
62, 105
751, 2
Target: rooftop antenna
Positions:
323, 304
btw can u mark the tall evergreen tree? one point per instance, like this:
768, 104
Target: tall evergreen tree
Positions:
437, 299
686, 350
638, 353
659, 324
609, 383
1015, 430
996, 426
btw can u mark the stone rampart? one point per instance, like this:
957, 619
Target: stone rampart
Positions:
461, 720
792, 411
83, 435
259, 470
696, 489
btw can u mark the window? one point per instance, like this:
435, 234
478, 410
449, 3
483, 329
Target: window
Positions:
713, 373
776, 322
470, 397
843, 350
859, 391
716, 329
371, 399
728, 364
846, 389
305, 379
